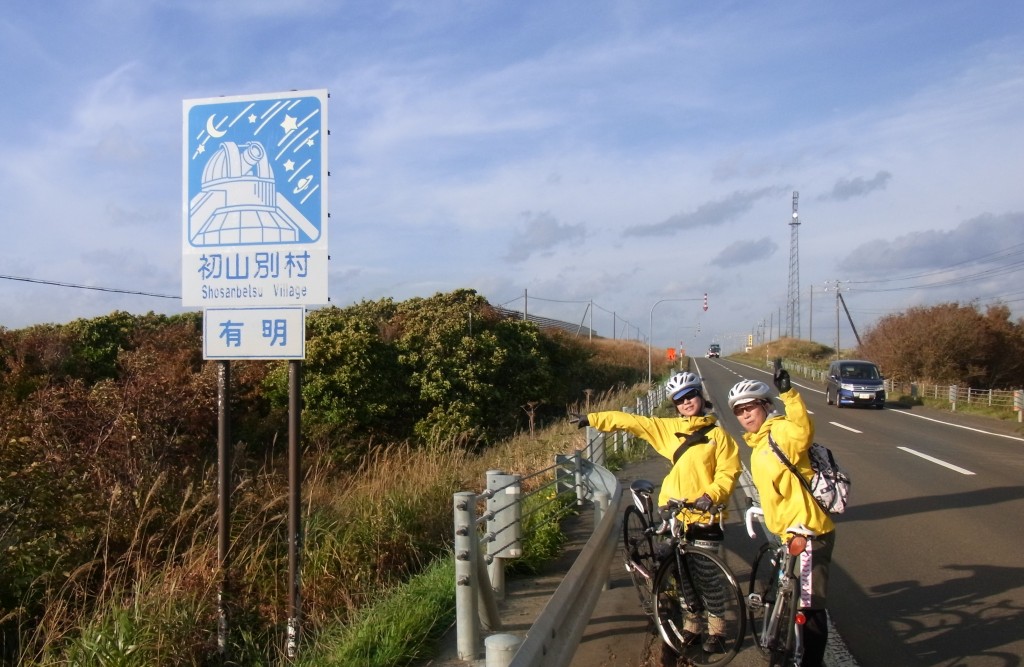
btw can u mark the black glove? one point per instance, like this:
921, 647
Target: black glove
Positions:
782, 382
581, 421
703, 503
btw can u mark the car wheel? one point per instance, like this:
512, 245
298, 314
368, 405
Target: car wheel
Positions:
828, 397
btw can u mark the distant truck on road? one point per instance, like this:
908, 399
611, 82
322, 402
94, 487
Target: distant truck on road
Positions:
714, 351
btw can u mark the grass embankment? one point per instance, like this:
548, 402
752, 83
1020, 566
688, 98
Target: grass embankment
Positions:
405, 623
377, 573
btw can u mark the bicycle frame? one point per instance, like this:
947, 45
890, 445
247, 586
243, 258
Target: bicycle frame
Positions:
664, 523
781, 634
699, 609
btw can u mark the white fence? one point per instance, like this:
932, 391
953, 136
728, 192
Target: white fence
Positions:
995, 398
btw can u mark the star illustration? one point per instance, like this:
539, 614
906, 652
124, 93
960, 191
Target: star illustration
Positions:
289, 165
309, 142
201, 148
252, 118
288, 124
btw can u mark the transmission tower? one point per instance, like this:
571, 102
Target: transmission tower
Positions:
793, 298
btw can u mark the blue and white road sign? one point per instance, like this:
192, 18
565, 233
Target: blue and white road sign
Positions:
254, 333
255, 200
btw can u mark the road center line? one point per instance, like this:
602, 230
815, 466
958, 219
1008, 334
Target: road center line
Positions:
962, 471
845, 427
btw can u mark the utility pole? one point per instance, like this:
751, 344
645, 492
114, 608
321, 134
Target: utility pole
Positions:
810, 312
838, 354
836, 288
793, 297
841, 301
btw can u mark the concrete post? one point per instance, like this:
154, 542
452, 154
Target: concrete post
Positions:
467, 625
500, 649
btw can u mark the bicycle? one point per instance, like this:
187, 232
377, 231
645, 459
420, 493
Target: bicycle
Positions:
776, 621
638, 528
690, 592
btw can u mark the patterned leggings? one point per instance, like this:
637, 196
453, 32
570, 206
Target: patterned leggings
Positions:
707, 579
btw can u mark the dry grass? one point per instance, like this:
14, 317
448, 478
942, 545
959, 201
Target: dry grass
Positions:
366, 531
802, 351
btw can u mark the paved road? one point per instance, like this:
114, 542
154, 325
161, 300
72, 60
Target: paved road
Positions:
927, 569
619, 634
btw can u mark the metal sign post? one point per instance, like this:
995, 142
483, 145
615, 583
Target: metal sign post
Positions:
223, 504
254, 255
294, 505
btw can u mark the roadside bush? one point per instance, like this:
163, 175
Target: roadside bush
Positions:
108, 432
949, 344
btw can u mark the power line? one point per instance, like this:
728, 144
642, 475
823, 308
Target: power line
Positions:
1004, 253
950, 282
89, 287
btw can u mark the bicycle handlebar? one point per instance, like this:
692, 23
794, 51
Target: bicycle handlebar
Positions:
669, 510
674, 505
754, 510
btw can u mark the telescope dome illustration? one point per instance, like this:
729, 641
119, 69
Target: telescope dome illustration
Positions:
239, 204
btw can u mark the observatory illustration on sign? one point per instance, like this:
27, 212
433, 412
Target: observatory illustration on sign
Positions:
239, 203
254, 171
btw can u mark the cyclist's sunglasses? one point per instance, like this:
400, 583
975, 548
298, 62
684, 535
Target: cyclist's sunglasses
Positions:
693, 393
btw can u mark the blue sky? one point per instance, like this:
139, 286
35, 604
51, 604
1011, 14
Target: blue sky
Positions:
614, 153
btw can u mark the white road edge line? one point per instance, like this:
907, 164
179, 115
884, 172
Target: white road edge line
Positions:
837, 424
962, 471
969, 428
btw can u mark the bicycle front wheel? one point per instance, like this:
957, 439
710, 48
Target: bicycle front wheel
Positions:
639, 548
698, 607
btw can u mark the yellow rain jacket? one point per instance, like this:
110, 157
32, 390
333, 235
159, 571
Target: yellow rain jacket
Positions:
710, 468
783, 497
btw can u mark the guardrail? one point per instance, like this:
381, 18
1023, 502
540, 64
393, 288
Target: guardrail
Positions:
487, 534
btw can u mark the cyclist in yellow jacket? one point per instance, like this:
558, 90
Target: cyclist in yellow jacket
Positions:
784, 499
704, 470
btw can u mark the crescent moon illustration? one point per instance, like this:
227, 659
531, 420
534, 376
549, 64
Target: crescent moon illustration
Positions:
213, 131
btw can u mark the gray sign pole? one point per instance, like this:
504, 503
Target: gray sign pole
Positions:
294, 504
224, 501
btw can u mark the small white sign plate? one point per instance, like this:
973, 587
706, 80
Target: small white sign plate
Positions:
254, 333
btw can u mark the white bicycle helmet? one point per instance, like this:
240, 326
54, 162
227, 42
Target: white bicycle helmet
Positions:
682, 383
746, 391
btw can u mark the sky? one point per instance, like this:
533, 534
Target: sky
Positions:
602, 163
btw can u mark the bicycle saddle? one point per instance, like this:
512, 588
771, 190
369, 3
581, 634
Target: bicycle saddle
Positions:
642, 486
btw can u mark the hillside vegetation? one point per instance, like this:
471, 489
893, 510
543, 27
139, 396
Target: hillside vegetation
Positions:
944, 344
108, 431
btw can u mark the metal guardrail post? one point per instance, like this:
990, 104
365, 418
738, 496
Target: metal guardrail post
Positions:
598, 445
601, 502
467, 625
504, 506
486, 603
581, 491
